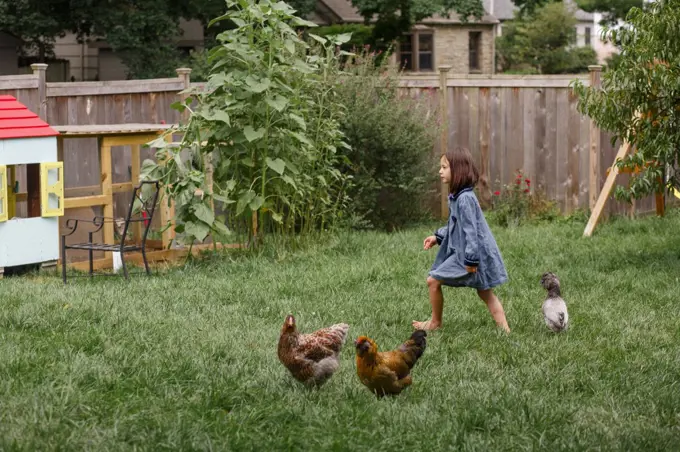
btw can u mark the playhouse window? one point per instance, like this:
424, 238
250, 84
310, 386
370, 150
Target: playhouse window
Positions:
33, 190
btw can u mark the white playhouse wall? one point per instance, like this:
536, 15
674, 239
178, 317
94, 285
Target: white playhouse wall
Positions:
24, 151
28, 240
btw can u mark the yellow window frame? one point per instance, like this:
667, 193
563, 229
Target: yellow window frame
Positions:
3, 194
56, 189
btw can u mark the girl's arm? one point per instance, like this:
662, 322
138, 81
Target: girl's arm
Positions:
440, 234
468, 221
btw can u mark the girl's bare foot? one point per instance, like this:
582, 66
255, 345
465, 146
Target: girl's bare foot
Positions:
427, 326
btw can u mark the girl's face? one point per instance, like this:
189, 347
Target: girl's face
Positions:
445, 170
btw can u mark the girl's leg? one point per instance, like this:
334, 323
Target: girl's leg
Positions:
437, 302
495, 308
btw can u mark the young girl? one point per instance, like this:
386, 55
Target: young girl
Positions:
468, 255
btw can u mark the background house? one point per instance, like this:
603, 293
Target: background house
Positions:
9, 58
468, 48
603, 49
504, 10
95, 60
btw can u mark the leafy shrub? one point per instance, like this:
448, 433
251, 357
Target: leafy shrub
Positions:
515, 205
392, 138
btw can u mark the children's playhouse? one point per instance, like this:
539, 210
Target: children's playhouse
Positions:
27, 143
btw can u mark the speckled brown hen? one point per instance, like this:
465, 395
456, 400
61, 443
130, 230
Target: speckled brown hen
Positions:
311, 358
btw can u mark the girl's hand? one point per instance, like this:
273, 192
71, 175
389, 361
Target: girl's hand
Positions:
429, 242
471, 269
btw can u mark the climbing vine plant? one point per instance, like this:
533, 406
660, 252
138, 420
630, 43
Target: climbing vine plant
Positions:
264, 128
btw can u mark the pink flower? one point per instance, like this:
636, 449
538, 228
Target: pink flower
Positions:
497, 193
526, 190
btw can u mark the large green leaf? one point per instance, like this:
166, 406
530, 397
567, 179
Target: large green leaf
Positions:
244, 200
256, 86
252, 134
299, 120
218, 115
256, 203
204, 213
277, 165
221, 230
197, 229
277, 102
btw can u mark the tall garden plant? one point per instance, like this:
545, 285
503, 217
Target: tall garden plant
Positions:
265, 128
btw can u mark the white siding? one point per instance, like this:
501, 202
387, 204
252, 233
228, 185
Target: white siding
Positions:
28, 150
29, 241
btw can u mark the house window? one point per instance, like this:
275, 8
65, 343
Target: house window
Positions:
416, 51
474, 49
587, 36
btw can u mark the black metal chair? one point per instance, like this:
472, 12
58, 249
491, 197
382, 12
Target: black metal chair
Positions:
146, 211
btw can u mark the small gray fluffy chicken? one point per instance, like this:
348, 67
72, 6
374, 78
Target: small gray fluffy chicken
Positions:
554, 307
311, 358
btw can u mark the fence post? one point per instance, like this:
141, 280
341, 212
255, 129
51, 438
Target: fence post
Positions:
184, 74
444, 139
595, 148
40, 71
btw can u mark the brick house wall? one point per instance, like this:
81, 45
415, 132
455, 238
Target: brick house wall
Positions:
451, 47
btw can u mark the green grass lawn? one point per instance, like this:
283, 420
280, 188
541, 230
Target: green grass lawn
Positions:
187, 360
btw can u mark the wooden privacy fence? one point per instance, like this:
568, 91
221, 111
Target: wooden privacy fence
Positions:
508, 122
528, 123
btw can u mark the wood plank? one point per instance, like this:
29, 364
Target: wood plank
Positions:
562, 148
11, 82
111, 129
86, 201
121, 187
606, 190
515, 131
549, 147
473, 122
529, 136
503, 133
492, 81
595, 148
484, 120
65, 89
497, 142
107, 189
135, 170
464, 111
574, 153
456, 106
584, 165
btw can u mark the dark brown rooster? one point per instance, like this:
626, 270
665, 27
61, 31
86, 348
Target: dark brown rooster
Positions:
311, 358
388, 372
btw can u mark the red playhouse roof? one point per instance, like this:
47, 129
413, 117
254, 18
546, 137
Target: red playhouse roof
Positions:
17, 121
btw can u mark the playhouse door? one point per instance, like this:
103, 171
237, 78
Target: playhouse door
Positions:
3, 193
52, 189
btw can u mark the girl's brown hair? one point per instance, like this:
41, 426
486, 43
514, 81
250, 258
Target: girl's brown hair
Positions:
464, 172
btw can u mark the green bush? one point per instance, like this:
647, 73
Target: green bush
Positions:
392, 139
581, 58
515, 204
